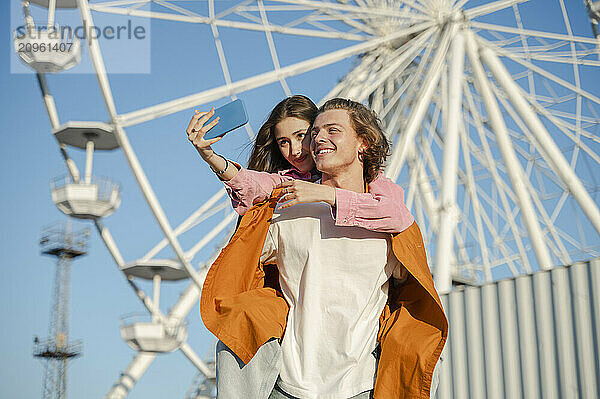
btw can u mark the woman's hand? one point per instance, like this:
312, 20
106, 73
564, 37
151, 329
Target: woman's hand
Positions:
400, 274
196, 131
300, 191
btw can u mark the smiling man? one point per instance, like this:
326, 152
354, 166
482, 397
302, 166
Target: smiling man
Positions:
334, 278
344, 327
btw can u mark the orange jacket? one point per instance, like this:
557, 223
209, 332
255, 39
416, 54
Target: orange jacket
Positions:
242, 305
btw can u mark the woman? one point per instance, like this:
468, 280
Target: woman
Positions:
281, 158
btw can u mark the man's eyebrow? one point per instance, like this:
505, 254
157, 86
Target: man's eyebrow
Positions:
325, 125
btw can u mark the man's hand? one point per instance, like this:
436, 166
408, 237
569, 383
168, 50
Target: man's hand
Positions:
300, 191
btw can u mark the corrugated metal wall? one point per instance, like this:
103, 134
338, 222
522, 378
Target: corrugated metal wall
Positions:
535, 336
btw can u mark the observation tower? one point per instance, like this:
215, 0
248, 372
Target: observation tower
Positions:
59, 241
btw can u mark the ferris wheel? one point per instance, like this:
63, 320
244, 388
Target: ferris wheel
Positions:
494, 124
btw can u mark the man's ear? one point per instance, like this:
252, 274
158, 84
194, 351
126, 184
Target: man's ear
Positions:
361, 149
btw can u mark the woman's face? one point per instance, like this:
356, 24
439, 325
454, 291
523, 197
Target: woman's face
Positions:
293, 140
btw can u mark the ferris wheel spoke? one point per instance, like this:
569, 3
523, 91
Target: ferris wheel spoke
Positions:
448, 217
424, 98
398, 61
426, 194
274, 57
357, 87
124, 3
350, 21
567, 129
561, 251
355, 74
256, 81
532, 33
204, 211
227, 220
540, 71
552, 58
509, 256
408, 85
491, 163
223, 60
470, 188
557, 161
373, 10
489, 8
134, 371
176, 8
576, 77
229, 24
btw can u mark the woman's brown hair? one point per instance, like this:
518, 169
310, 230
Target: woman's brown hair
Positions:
266, 156
367, 126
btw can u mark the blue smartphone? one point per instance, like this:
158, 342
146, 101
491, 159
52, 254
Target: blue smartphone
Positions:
232, 116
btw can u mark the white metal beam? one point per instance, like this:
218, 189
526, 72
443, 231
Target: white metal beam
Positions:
136, 368
123, 141
55, 123
490, 8
488, 160
530, 33
551, 151
229, 24
513, 166
187, 223
422, 103
448, 209
180, 104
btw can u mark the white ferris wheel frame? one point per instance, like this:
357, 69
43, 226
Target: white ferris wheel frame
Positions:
455, 41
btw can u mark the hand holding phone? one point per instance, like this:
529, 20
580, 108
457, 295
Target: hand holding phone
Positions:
231, 116
207, 128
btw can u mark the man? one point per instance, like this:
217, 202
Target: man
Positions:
335, 303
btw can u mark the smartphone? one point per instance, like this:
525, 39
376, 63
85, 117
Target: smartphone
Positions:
232, 116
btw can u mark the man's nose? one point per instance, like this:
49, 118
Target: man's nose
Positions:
319, 137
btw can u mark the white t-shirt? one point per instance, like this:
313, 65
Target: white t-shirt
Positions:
335, 280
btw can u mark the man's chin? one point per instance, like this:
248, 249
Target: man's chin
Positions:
323, 167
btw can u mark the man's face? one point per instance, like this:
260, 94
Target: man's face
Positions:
334, 143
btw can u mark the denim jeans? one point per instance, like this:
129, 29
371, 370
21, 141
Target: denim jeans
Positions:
257, 379
254, 380
279, 394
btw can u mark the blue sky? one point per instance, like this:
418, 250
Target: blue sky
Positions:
182, 61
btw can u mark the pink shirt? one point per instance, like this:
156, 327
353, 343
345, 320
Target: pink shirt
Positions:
382, 209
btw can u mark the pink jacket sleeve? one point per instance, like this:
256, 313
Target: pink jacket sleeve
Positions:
382, 209
249, 187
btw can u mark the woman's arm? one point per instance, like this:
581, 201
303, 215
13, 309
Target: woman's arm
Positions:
381, 209
249, 187
245, 187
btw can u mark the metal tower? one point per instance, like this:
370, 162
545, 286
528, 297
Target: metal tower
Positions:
59, 241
